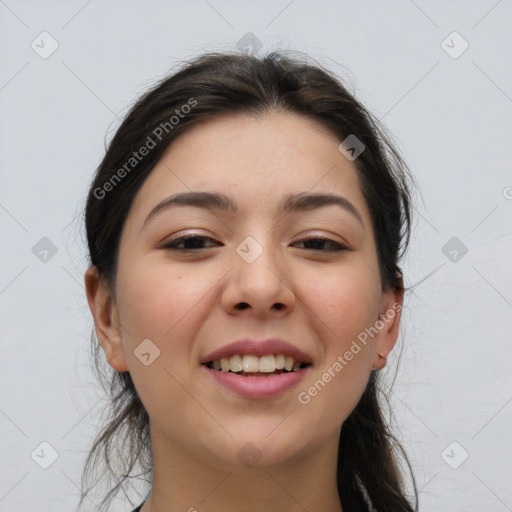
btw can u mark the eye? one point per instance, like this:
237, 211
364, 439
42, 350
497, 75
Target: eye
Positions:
192, 243
319, 242
195, 243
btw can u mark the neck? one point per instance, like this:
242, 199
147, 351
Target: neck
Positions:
184, 483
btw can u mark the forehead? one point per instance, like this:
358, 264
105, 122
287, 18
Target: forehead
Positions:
256, 160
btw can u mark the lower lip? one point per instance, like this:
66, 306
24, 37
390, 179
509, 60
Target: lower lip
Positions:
257, 387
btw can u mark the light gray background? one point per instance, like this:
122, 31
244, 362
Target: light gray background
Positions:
452, 120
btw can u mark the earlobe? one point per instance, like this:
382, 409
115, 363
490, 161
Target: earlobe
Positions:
106, 319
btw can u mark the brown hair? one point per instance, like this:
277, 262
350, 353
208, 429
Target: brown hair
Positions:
207, 86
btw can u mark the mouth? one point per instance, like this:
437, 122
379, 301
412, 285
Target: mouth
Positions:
254, 369
250, 365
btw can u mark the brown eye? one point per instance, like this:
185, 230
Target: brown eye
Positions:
192, 243
317, 244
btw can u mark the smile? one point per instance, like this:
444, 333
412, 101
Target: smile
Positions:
253, 366
260, 384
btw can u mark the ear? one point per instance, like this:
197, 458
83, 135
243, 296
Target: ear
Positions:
106, 319
389, 316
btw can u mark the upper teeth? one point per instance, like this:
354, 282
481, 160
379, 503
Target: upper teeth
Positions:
250, 363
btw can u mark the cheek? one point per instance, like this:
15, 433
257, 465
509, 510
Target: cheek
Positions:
158, 302
344, 301
165, 306
344, 304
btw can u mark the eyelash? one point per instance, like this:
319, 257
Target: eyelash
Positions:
173, 245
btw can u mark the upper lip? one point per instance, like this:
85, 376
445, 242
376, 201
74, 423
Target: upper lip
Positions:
261, 348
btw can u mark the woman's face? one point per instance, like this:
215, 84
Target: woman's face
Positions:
252, 274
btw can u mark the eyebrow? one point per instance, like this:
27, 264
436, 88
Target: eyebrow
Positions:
303, 201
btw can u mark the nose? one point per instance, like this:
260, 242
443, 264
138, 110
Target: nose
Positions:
260, 287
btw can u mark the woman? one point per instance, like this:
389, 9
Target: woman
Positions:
244, 229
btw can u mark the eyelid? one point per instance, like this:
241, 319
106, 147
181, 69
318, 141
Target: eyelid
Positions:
185, 237
184, 234
325, 235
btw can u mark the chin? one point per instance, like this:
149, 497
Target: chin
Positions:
259, 447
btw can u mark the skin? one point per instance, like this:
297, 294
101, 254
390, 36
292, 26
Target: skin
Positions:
187, 306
